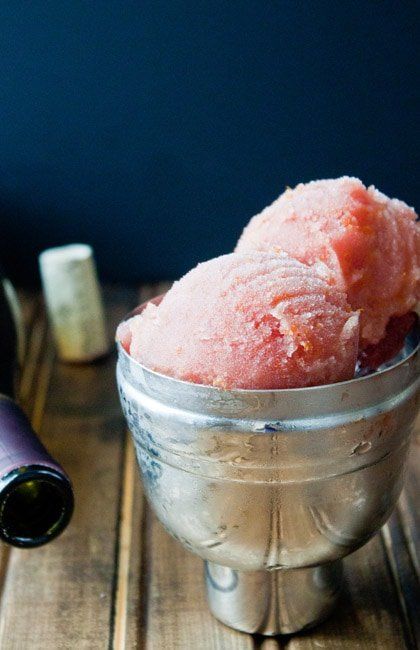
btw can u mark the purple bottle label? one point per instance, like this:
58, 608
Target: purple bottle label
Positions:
19, 445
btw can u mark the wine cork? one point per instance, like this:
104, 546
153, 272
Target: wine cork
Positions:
74, 302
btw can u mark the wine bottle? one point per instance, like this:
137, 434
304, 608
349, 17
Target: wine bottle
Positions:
36, 496
9, 332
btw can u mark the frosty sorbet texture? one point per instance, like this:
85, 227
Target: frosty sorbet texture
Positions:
249, 320
371, 243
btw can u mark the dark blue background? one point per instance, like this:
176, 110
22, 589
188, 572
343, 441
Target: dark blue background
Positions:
155, 129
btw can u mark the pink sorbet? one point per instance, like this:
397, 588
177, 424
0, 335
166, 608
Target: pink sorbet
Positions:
371, 242
396, 331
250, 320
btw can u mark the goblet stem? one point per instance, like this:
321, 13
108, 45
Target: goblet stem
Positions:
272, 602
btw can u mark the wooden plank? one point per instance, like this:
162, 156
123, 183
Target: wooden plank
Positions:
28, 396
176, 615
405, 579
368, 615
408, 507
275, 643
34, 331
128, 596
33, 344
401, 537
4, 565
61, 595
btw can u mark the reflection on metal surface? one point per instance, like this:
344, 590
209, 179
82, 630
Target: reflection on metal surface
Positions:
221, 578
265, 602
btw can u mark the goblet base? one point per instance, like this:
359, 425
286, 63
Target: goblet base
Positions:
282, 601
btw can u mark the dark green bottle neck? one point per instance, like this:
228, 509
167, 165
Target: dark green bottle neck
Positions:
36, 504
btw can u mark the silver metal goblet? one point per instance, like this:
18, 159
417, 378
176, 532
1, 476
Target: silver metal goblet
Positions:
272, 488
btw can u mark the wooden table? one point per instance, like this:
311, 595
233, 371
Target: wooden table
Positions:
115, 579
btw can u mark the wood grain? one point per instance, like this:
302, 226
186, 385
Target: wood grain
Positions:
61, 595
33, 320
127, 611
408, 507
176, 615
368, 615
275, 643
401, 538
405, 581
131, 537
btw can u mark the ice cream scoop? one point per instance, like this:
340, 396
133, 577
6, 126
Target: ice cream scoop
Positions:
252, 320
371, 242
